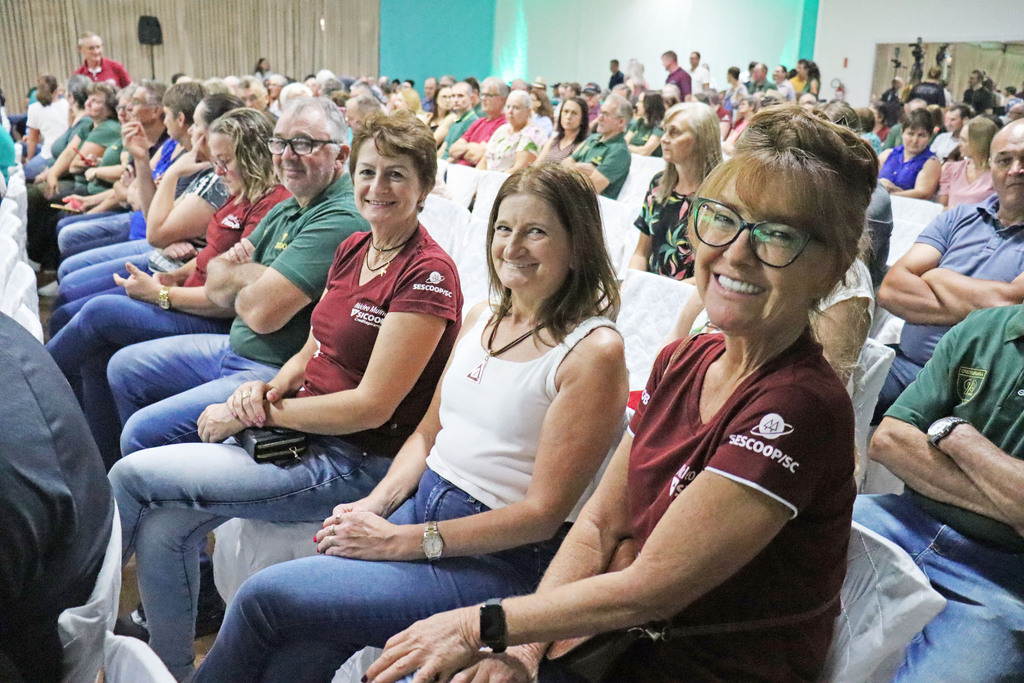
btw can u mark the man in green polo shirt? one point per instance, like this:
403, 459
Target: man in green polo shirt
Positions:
272, 280
956, 438
464, 113
604, 156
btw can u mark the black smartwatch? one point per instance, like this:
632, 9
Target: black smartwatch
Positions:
493, 632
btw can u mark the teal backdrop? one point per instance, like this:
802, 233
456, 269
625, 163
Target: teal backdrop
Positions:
420, 39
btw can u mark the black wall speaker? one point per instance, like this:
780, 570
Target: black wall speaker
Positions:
150, 32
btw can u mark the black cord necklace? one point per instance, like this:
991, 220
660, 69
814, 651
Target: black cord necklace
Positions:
477, 373
383, 268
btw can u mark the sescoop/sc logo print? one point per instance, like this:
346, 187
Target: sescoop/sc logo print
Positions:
772, 426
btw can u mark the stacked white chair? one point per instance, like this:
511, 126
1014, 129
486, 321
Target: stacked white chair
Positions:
129, 660
83, 629
909, 218
650, 305
245, 546
3, 186
868, 378
886, 600
462, 181
472, 265
20, 289
486, 192
447, 222
620, 236
8, 258
634, 188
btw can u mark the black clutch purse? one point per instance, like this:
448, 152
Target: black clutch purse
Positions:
273, 444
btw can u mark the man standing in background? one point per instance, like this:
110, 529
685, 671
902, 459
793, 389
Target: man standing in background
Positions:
96, 66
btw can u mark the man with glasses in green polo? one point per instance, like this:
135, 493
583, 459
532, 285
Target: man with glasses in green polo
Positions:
604, 156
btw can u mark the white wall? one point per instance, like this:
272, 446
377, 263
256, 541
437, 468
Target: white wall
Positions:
574, 39
850, 30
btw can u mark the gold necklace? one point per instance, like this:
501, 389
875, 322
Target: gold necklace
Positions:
382, 268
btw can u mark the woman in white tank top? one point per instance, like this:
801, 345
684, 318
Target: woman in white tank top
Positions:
475, 504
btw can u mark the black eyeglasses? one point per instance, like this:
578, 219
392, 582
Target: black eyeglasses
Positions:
300, 146
774, 244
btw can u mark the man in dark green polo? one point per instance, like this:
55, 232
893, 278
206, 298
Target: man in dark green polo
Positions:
604, 156
464, 116
956, 438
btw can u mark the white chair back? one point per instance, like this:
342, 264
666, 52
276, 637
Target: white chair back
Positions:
462, 181
20, 289
447, 222
909, 218
650, 305
18, 193
885, 327
472, 266
634, 188
83, 629
245, 546
30, 321
617, 224
13, 227
868, 378
486, 192
129, 660
886, 600
9, 253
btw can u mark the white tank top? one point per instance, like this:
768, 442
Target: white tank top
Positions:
490, 429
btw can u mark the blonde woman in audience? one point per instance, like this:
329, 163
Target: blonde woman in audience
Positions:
408, 99
570, 131
745, 111
691, 150
635, 77
722, 523
476, 501
515, 144
47, 121
543, 113
969, 181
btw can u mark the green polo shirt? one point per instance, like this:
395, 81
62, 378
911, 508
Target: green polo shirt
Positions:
298, 242
111, 157
458, 129
976, 373
104, 135
643, 133
611, 157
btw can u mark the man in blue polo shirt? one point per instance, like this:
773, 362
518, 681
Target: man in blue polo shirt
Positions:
969, 258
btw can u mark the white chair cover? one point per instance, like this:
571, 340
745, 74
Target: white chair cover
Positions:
472, 266
617, 224
9, 253
20, 289
634, 188
18, 193
82, 629
886, 601
129, 660
885, 327
245, 546
909, 218
650, 305
352, 671
447, 222
868, 378
462, 182
3, 186
486, 192
30, 321
13, 227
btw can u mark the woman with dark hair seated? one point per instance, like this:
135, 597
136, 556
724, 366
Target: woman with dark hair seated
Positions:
476, 501
911, 169
379, 339
643, 135
47, 120
173, 303
721, 525
570, 131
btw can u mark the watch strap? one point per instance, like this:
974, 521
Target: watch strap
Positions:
493, 630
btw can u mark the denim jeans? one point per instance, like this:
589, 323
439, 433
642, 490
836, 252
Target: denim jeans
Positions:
979, 636
104, 325
82, 233
169, 498
300, 620
161, 387
901, 375
94, 276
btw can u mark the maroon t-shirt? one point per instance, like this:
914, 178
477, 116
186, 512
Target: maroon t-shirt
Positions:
346, 321
233, 221
786, 431
110, 72
681, 80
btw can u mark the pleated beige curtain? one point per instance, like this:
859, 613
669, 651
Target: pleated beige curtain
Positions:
202, 38
1005, 67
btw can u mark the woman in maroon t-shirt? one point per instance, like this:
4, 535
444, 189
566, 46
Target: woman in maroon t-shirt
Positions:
724, 516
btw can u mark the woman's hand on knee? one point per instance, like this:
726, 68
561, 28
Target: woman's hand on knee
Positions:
217, 423
246, 404
495, 669
367, 536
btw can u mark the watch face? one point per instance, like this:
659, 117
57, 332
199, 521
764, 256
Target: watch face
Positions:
433, 545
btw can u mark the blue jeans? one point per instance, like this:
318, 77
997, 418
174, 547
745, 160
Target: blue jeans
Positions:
169, 498
76, 234
34, 167
979, 636
901, 375
104, 325
161, 387
93, 277
300, 620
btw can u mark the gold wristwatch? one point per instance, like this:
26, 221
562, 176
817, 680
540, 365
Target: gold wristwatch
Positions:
164, 298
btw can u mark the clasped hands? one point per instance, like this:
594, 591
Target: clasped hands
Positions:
244, 408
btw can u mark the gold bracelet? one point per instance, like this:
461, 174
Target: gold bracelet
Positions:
164, 298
